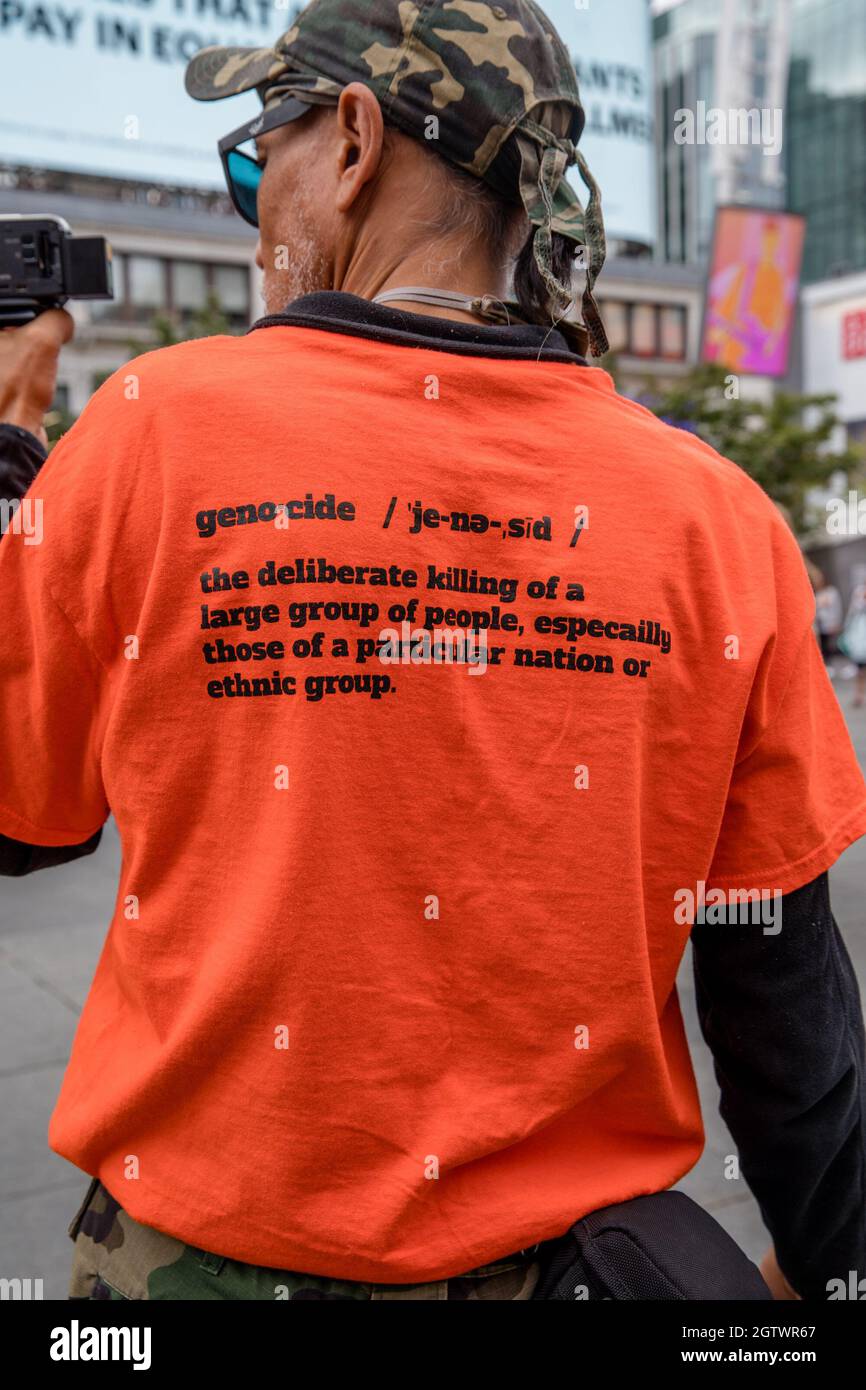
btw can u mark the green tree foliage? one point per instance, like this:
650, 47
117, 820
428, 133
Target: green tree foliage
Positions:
784, 443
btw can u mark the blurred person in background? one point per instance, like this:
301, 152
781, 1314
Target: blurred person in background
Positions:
852, 640
829, 616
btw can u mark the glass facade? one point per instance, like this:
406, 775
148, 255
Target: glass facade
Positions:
825, 133
684, 55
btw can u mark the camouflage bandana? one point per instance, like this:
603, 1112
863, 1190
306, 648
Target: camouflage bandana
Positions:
492, 85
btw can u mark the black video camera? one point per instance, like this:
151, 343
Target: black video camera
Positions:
42, 265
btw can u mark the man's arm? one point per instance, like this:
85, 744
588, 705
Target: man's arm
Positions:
783, 1019
28, 372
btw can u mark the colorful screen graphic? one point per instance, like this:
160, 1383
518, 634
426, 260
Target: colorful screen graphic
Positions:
752, 290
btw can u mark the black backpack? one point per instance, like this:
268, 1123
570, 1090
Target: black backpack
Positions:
663, 1246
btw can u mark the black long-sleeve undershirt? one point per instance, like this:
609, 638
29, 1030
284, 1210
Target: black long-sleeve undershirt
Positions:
21, 457
782, 1017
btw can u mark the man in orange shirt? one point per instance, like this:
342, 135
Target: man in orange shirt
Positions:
440, 695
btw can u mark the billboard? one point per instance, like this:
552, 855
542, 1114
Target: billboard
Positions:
752, 290
610, 43
97, 86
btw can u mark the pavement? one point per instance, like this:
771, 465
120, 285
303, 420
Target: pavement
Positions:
52, 927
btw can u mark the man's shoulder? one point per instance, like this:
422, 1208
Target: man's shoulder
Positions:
681, 463
115, 440
181, 364
150, 392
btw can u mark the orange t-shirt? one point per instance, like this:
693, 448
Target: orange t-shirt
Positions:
389, 988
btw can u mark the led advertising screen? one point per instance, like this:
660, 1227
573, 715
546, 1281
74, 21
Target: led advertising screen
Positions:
752, 290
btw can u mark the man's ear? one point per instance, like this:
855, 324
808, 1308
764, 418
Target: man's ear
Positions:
361, 136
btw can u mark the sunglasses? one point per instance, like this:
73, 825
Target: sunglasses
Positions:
243, 173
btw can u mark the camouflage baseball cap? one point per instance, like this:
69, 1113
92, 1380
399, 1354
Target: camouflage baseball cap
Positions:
492, 85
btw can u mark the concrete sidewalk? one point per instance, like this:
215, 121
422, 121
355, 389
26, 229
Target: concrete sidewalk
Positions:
52, 927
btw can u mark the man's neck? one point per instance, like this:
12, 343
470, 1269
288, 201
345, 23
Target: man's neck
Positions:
433, 267
433, 311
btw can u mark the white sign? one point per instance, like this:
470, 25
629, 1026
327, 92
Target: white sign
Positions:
97, 85
610, 42
832, 361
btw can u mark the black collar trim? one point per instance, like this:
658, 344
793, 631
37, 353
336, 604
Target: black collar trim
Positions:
335, 312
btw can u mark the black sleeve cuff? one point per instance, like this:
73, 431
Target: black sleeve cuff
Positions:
21, 457
18, 859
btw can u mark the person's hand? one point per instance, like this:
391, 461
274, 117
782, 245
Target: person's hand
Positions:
775, 1279
28, 369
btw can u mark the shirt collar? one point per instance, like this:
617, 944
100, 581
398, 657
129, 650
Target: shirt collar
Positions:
335, 312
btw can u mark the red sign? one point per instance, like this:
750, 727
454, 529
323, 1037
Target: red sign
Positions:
854, 335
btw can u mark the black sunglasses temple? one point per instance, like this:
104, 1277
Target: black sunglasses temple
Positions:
287, 111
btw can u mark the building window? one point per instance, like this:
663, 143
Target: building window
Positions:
148, 285
672, 332
643, 331
147, 289
638, 329
197, 286
614, 315
112, 308
232, 287
189, 285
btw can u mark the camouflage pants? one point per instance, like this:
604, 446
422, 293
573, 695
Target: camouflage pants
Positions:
116, 1258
